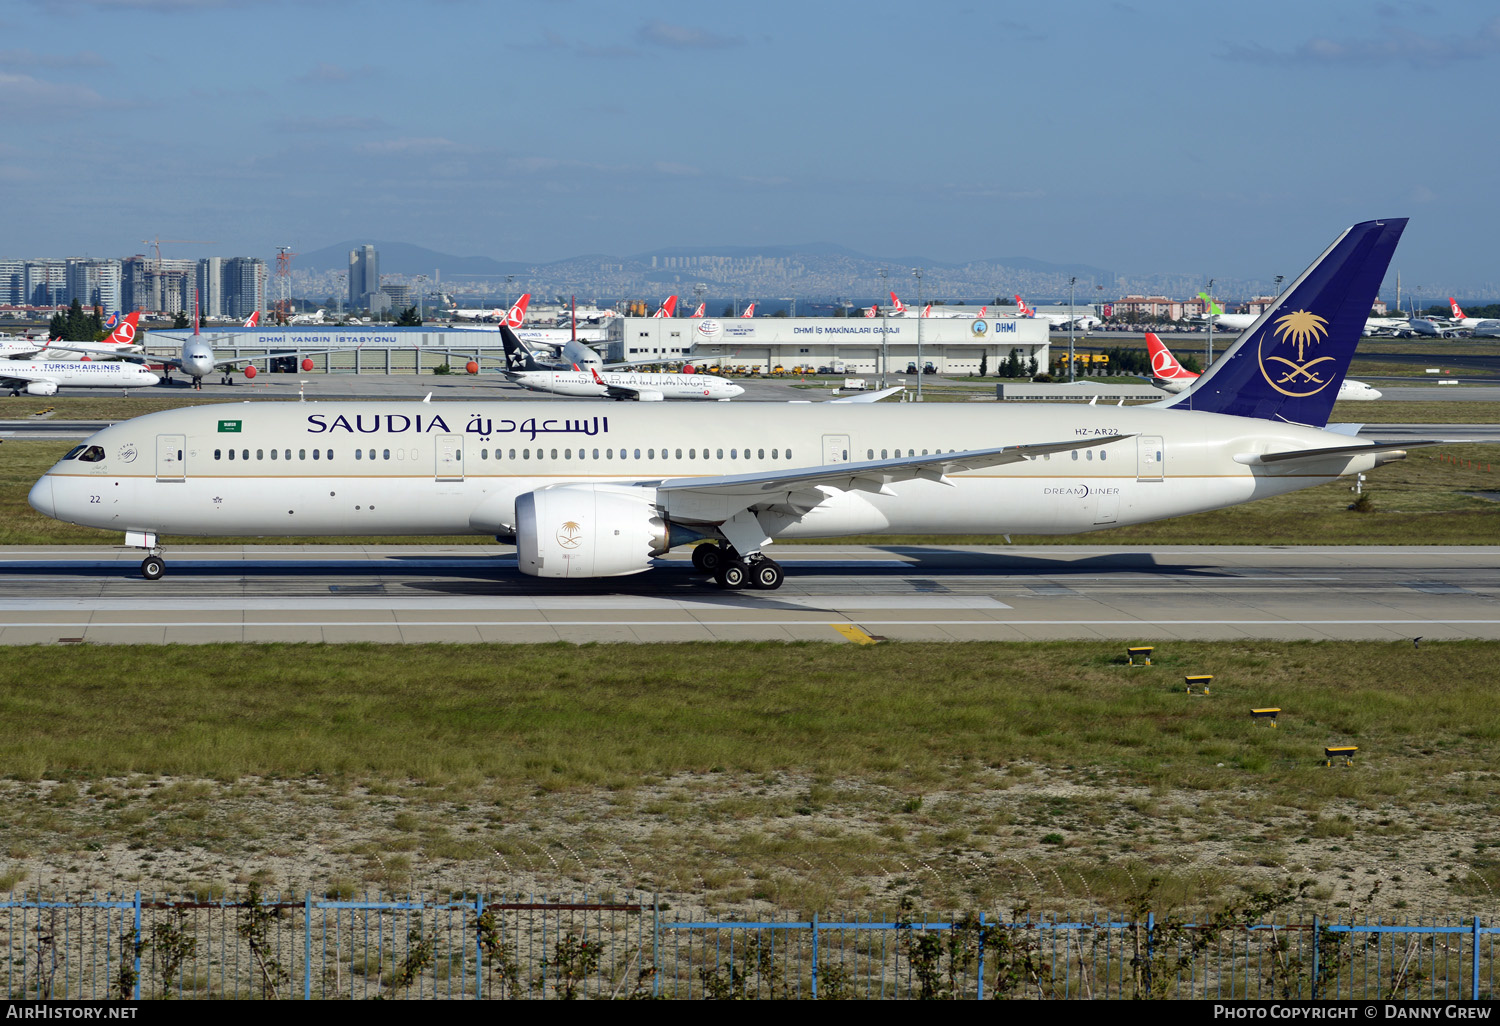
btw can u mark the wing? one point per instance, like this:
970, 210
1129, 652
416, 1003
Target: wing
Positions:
749, 508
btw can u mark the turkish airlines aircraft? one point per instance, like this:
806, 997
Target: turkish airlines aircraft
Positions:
1171, 376
699, 312
45, 377
1083, 322
749, 311
254, 319
120, 341
197, 360
1482, 326
514, 316
667, 307
523, 369
589, 493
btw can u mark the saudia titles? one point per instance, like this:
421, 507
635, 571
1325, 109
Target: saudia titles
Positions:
1301, 377
398, 423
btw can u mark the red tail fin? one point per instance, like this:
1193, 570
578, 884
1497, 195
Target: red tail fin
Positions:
749, 311
253, 320
1163, 364
1457, 310
124, 333
517, 314
897, 305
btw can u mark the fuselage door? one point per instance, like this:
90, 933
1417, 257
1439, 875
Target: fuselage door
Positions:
170, 457
1149, 458
450, 457
835, 449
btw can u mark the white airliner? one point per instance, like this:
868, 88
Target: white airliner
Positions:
45, 377
1485, 327
514, 316
1083, 322
121, 340
1171, 376
599, 491
197, 359
523, 369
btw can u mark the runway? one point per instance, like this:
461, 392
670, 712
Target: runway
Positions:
476, 594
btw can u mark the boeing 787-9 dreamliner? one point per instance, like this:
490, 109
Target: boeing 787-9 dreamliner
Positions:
593, 490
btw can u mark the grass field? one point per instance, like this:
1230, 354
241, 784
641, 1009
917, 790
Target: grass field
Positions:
800, 776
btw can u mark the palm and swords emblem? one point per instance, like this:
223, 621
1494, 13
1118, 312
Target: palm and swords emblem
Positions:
1301, 330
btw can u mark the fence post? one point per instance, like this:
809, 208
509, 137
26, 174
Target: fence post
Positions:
982, 932
656, 944
478, 947
137, 951
1475, 988
307, 947
1150, 949
815, 957
1317, 929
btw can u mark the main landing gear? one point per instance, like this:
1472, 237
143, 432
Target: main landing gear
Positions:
733, 571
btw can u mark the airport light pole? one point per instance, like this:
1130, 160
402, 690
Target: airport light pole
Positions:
1279, 279
1072, 323
1207, 363
921, 367
885, 354
698, 291
338, 297
509, 278
421, 289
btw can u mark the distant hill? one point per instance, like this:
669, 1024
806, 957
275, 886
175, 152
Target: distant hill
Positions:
405, 258
810, 271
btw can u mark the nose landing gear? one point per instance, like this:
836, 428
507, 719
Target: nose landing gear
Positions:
152, 567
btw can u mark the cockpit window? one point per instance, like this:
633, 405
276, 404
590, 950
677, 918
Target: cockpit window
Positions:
73, 452
93, 454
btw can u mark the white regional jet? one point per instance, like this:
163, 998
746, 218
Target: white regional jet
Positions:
523, 369
598, 492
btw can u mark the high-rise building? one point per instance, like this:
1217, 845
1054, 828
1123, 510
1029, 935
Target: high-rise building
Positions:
46, 282
244, 286
364, 276
210, 280
12, 281
94, 283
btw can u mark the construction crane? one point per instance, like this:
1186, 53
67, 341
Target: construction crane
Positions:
284, 256
156, 243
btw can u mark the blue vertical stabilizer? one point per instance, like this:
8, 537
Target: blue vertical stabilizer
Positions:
1288, 366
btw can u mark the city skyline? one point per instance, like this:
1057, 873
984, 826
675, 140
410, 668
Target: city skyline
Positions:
1226, 142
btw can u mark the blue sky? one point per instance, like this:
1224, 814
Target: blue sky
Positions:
1231, 139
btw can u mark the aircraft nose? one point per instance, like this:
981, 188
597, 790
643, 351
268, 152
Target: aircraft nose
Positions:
152, 378
40, 497
736, 390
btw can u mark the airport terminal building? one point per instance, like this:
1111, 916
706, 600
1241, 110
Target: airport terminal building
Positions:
952, 345
855, 345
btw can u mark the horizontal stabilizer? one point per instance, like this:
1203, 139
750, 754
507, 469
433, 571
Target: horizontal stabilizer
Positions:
1266, 459
869, 397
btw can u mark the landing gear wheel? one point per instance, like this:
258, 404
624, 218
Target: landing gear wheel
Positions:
733, 575
767, 575
708, 558
152, 568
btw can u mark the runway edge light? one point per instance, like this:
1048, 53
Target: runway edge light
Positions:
1268, 713
1200, 681
1139, 655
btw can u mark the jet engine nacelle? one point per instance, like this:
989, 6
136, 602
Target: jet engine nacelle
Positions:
647, 395
41, 388
588, 530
